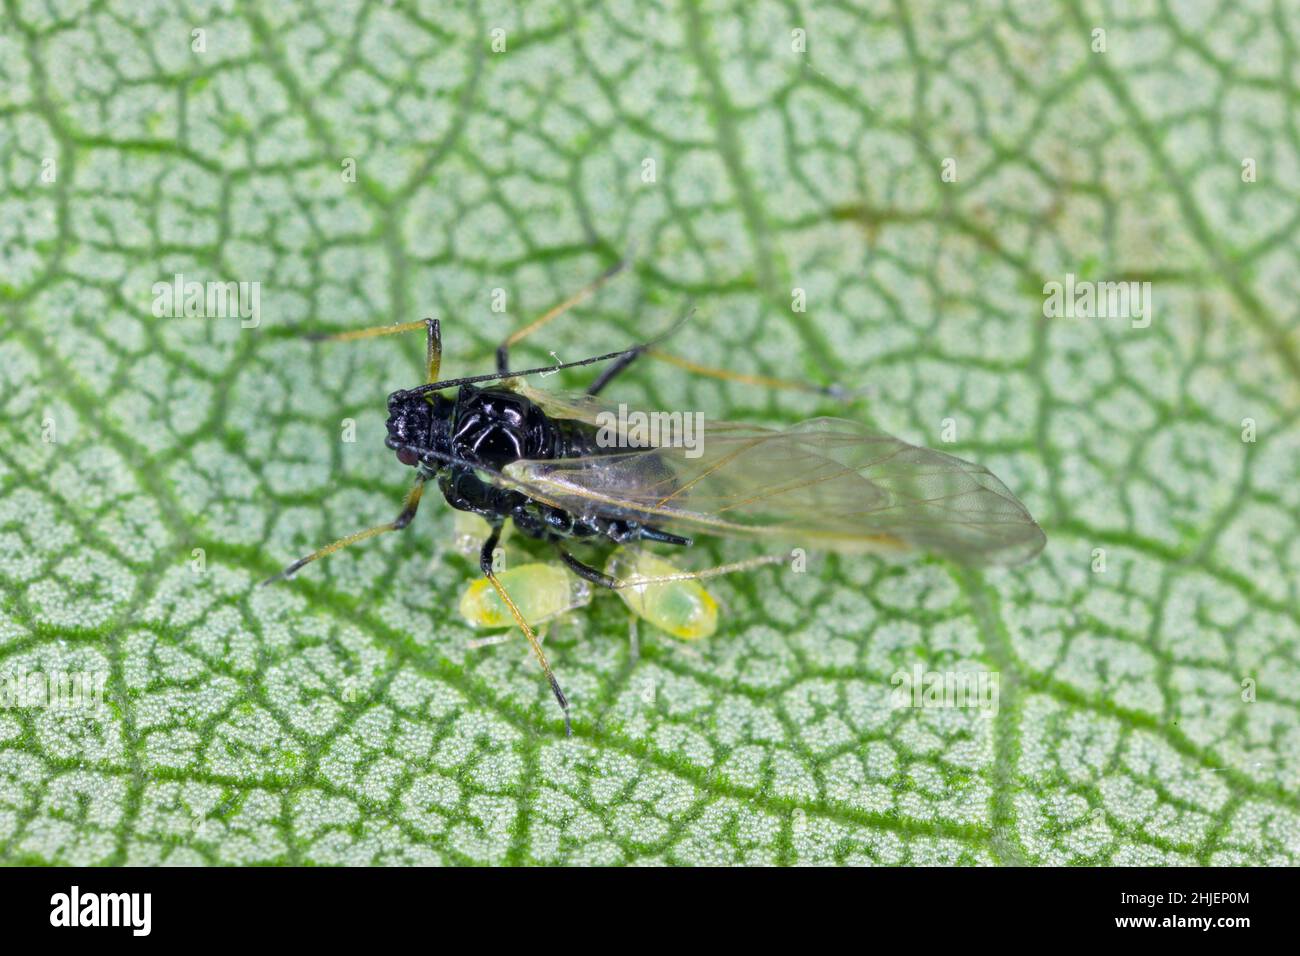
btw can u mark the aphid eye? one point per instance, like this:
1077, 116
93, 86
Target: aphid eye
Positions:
407, 457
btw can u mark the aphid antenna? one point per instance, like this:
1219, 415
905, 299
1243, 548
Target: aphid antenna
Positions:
514, 373
519, 373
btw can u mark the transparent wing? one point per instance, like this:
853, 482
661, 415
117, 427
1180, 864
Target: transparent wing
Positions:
826, 482
559, 403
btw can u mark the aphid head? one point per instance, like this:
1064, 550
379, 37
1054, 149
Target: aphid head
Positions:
416, 423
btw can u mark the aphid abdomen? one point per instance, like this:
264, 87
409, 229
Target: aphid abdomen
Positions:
465, 491
682, 608
574, 439
541, 592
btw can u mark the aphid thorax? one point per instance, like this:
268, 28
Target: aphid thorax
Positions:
486, 427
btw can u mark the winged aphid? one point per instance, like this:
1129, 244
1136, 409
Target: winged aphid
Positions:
497, 447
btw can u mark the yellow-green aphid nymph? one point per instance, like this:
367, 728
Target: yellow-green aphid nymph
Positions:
469, 530
682, 608
541, 591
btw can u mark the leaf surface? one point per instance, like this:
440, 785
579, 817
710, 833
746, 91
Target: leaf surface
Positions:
376, 163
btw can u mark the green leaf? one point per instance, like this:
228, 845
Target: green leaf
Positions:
153, 468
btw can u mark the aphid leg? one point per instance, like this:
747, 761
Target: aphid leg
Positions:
485, 563
585, 571
540, 370
432, 347
627, 358
665, 537
373, 331
409, 508
618, 365
582, 295
477, 643
765, 381
621, 364
704, 573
